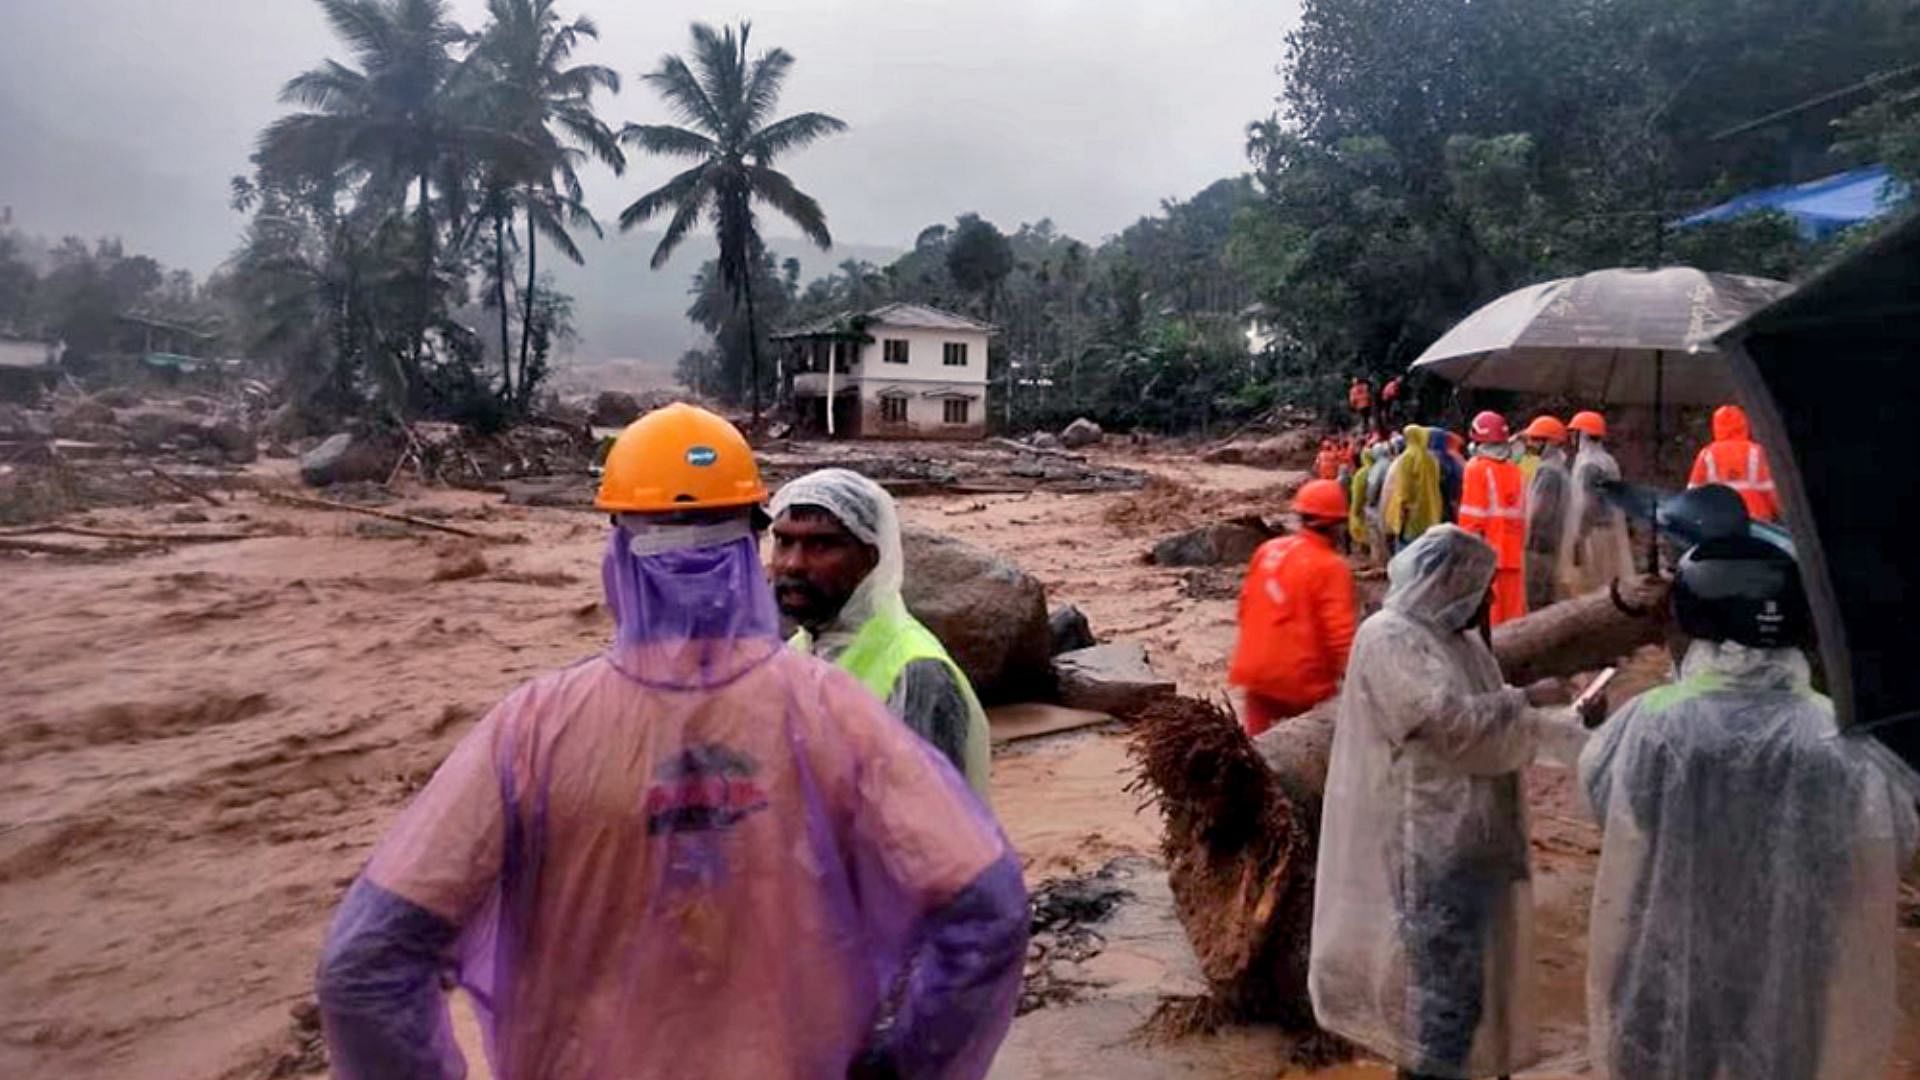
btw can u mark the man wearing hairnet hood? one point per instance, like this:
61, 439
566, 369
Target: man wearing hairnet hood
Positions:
1420, 946
838, 569
698, 854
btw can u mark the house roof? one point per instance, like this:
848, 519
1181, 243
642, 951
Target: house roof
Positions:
854, 324
922, 317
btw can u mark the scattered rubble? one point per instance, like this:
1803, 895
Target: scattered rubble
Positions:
987, 466
1291, 450
1162, 505
614, 409
1063, 913
1114, 678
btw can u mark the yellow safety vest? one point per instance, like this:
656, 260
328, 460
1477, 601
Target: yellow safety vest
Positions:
883, 648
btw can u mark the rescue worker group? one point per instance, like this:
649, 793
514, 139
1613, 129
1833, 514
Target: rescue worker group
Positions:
711, 852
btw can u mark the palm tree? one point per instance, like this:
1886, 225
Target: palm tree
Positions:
387, 123
728, 100
532, 94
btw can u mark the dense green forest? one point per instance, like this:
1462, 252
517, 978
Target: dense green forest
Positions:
1422, 157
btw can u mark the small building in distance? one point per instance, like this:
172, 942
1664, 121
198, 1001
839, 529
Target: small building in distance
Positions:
901, 371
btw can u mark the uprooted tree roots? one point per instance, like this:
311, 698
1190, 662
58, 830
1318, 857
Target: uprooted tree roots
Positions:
1240, 855
1242, 820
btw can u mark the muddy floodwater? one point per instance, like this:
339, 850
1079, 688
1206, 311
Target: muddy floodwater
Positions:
198, 747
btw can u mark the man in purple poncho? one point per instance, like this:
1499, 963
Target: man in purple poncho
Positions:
698, 854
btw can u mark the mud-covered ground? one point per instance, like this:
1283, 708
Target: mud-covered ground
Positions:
197, 748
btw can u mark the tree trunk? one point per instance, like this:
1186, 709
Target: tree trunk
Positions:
753, 351
526, 307
500, 301
1243, 815
424, 314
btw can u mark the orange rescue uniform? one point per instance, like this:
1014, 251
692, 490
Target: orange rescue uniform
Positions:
1734, 459
1493, 506
1296, 627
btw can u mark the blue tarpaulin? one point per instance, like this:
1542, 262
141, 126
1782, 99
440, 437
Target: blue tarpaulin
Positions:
1819, 207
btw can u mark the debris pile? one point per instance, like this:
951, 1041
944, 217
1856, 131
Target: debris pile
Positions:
1063, 912
1163, 504
983, 467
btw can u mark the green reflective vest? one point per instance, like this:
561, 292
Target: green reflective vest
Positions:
887, 643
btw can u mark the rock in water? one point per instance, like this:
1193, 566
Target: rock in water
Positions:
991, 615
615, 408
1082, 432
346, 457
1112, 678
1222, 543
1069, 629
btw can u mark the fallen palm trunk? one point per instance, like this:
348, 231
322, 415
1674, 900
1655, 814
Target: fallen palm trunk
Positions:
1242, 815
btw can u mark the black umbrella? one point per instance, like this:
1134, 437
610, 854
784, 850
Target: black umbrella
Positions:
1831, 377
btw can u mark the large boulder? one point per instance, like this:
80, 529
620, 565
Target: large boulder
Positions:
347, 457
1082, 432
991, 615
1114, 678
615, 408
1223, 543
151, 427
232, 438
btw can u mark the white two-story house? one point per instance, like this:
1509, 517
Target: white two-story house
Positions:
903, 371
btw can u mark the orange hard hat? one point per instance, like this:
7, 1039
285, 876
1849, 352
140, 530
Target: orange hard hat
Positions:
1548, 429
679, 457
1321, 499
1489, 427
1589, 423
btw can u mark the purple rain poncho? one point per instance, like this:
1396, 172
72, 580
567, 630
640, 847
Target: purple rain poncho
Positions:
696, 855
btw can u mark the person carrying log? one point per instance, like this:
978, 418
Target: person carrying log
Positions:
697, 854
1296, 614
838, 567
1420, 949
1744, 919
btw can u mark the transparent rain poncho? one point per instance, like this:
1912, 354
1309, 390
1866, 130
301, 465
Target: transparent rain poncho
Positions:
1595, 549
1548, 495
1421, 949
699, 854
1744, 915
868, 512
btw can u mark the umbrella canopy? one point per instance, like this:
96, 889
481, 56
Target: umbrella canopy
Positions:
1819, 208
1830, 375
1618, 337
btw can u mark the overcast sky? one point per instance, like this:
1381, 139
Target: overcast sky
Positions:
128, 117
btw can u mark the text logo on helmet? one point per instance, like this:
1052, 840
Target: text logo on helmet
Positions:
702, 455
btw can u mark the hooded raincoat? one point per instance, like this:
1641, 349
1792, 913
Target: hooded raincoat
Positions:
1412, 503
1547, 497
1421, 948
698, 854
1376, 490
1595, 549
875, 638
1744, 912
1735, 460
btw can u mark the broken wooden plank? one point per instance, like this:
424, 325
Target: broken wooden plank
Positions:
387, 515
1032, 719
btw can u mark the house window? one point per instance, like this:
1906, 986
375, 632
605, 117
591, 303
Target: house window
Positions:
893, 410
957, 408
894, 351
954, 354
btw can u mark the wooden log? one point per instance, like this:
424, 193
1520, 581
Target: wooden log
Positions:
1242, 815
134, 537
182, 486
386, 515
41, 547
